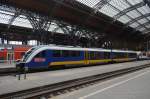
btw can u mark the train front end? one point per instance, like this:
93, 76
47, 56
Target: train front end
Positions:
23, 62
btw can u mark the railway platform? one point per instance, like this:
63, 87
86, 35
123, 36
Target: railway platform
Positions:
7, 65
10, 84
131, 86
7, 68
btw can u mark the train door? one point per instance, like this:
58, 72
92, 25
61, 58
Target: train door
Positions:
10, 57
86, 57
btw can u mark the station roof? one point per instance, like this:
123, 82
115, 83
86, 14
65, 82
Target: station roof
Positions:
96, 14
133, 13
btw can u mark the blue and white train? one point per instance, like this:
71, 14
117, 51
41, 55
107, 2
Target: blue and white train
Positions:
56, 56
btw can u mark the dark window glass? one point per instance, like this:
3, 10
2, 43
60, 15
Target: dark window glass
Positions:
120, 55
57, 53
132, 55
74, 53
65, 53
106, 55
94, 55
117, 55
41, 54
91, 55
101, 55
97, 55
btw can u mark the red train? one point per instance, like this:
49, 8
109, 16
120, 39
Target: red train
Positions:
12, 53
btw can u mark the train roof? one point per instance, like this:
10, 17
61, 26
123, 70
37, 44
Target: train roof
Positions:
54, 47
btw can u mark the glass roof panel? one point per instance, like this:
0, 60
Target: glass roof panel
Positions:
133, 14
142, 29
108, 10
89, 2
94, 2
120, 4
148, 17
55, 28
144, 9
148, 26
4, 18
124, 19
142, 21
133, 2
22, 22
7, 13
52, 27
134, 25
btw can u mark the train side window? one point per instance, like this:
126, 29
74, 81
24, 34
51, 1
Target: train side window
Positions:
74, 53
65, 53
56, 53
118, 55
97, 55
106, 55
41, 54
92, 55
132, 55
101, 55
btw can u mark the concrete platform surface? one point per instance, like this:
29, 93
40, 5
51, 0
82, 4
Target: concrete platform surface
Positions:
7, 65
10, 84
131, 86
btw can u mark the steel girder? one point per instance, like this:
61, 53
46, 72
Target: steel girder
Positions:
38, 22
68, 29
64, 26
132, 7
147, 31
96, 8
76, 31
126, 15
142, 25
138, 27
138, 18
100, 4
121, 13
16, 14
147, 2
41, 24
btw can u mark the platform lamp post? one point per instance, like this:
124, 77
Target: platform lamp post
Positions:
111, 53
147, 46
25, 72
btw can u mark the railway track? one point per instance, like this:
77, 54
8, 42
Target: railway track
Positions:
50, 91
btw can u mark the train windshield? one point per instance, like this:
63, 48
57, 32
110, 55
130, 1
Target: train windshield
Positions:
27, 54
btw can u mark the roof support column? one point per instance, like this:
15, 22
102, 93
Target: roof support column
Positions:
16, 14
40, 24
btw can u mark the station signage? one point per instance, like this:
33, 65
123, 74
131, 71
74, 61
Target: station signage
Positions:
39, 59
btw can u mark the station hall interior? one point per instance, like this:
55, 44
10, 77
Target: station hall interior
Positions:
74, 49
